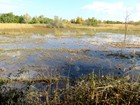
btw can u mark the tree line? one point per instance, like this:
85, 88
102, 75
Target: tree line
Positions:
57, 21
26, 18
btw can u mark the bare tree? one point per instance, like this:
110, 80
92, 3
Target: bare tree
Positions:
126, 27
125, 31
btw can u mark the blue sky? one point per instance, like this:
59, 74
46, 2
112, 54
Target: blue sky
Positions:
100, 9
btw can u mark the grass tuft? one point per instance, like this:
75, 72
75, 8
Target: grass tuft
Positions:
85, 91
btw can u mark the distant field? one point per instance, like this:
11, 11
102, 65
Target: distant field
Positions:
17, 29
14, 26
119, 26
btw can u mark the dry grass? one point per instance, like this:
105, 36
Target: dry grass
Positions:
15, 26
75, 29
122, 45
86, 91
106, 26
118, 26
100, 26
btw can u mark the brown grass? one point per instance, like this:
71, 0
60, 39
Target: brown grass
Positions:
14, 26
127, 45
119, 26
86, 91
25, 29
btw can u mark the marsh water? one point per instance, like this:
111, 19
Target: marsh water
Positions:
48, 56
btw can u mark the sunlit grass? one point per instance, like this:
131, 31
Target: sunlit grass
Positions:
75, 29
14, 26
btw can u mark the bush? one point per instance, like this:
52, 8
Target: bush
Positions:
56, 23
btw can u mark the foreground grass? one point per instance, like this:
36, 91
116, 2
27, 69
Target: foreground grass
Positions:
88, 90
73, 29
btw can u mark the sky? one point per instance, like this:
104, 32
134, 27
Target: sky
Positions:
69, 9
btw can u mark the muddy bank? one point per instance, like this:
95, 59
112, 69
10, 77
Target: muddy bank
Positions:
124, 45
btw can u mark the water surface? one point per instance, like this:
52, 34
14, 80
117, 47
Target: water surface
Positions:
71, 56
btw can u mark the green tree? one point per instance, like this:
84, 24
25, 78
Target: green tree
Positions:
41, 19
48, 20
9, 18
79, 20
35, 20
91, 21
72, 21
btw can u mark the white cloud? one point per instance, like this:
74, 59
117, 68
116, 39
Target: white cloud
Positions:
104, 7
114, 11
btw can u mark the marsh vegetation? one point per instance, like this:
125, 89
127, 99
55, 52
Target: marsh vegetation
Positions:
73, 66
60, 62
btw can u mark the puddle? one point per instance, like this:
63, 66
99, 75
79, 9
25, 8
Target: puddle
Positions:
76, 56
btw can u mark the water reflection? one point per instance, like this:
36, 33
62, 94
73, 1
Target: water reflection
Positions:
79, 55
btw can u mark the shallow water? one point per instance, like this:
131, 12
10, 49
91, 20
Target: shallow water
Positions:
70, 56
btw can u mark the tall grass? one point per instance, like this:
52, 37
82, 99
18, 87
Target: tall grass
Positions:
87, 90
14, 26
24, 29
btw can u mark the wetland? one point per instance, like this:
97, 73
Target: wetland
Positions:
101, 53
44, 68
